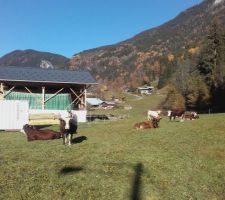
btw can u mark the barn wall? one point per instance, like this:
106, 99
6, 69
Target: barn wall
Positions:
13, 114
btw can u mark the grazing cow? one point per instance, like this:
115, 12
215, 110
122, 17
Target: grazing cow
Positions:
147, 124
172, 114
153, 114
68, 126
36, 134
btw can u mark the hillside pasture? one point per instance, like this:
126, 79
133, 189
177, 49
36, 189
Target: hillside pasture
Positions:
111, 160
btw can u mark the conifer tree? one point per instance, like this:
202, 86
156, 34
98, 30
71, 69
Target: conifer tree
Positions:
210, 61
211, 66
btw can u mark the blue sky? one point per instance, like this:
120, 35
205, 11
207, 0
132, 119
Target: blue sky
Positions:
67, 27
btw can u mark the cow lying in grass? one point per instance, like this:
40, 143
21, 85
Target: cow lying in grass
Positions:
36, 134
153, 123
191, 115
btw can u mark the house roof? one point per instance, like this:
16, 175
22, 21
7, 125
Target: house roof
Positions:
27, 74
146, 88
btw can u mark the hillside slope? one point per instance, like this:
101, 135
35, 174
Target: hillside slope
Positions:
138, 57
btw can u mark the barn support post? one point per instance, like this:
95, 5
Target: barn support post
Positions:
43, 98
1, 91
85, 97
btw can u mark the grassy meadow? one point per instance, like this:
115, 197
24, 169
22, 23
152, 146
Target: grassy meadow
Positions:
110, 160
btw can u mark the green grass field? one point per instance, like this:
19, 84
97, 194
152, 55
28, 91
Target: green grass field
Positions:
110, 160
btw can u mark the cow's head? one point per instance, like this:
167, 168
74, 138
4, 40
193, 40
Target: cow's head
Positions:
159, 111
195, 115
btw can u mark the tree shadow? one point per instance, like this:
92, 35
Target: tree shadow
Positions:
70, 170
136, 189
78, 139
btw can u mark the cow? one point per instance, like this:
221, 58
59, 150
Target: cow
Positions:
147, 124
195, 114
172, 114
191, 115
153, 114
36, 134
68, 126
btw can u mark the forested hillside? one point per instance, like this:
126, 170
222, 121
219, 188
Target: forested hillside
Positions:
173, 52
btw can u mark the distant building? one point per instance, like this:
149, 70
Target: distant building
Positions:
147, 90
98, 103
94, 102
107, 104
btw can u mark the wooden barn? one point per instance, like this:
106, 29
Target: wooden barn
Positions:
47, 90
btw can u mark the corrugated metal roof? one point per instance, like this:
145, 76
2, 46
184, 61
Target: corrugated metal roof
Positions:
28, 74
94, 101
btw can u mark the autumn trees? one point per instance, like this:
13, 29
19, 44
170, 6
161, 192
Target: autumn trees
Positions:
200, 78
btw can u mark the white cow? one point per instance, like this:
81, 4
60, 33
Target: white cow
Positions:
153, 114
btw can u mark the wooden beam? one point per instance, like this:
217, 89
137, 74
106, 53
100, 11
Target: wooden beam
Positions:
28, 90
54, 95
43, 98
9, 91
78, 97
85, 97
2, 91
2, 88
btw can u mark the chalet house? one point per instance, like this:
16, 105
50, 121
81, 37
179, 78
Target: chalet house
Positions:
146, 90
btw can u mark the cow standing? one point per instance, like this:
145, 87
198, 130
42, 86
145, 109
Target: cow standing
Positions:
68, 126
172, 114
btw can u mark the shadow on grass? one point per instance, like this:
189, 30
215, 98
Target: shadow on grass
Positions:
42, 126
78, 139
70, 170
136, 189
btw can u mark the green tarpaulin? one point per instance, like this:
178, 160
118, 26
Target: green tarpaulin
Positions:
58, 102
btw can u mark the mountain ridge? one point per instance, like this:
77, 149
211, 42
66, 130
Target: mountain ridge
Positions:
34, 58
140, 54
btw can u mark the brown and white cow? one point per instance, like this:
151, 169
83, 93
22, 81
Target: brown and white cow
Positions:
191, 115
153, 123
172, 114
36, 134
153, 114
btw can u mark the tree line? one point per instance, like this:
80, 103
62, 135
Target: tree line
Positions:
197, 80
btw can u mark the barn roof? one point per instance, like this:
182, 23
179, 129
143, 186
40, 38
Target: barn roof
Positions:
27, 74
